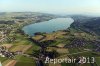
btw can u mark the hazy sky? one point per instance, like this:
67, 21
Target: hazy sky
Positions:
51, 6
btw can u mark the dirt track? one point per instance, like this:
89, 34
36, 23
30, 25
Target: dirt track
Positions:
11, 63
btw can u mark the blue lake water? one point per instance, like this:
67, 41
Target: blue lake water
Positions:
48, 26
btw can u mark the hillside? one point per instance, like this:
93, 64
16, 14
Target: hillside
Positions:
88, 24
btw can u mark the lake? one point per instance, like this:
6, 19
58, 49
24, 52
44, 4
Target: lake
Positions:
48, 26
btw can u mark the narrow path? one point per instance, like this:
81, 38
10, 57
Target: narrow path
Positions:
11, 63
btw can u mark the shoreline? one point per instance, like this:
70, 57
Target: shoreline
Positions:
68, 26
32, 23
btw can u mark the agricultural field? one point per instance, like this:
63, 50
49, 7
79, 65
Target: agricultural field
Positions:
3, 59
98, 61
9, 63
8, 46
24, 61
59, 50
50, 36
59, 44
22, 48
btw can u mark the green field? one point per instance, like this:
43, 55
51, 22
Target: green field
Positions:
2, 59
25, 61
98, 61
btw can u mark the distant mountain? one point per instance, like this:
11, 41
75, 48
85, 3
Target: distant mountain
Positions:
88, 24
2, 13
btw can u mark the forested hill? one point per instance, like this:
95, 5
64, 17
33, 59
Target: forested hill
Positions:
88, 24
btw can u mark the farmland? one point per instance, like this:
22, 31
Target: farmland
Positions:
14, 42
21, 49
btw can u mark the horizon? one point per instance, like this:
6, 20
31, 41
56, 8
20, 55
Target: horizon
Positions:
86, 7
60, 14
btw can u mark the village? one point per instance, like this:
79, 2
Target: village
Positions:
5, 53
19, 49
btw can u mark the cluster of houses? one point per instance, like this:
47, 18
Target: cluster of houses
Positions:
5, 53
96, 45
77, 43
3, 37
82, 43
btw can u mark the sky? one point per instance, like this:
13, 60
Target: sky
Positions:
51, 6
